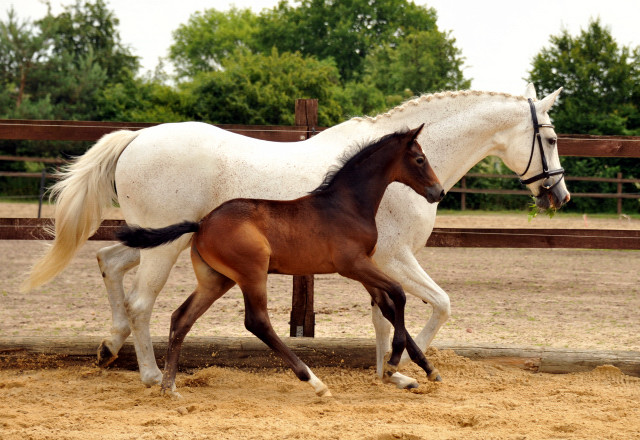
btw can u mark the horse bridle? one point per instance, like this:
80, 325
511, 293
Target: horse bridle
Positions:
545, 174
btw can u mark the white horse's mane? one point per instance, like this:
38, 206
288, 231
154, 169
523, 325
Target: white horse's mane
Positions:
430, 97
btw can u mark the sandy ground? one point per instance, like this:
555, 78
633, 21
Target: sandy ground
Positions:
521, 297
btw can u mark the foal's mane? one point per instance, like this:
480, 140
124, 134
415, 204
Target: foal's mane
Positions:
354, 155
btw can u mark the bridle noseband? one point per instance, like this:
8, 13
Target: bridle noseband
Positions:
545, 174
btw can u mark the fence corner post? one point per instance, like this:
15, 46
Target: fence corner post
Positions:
302, 322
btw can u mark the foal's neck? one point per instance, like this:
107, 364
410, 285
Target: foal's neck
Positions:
365, 183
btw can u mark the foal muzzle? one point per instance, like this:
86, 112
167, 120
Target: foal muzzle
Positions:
435, 193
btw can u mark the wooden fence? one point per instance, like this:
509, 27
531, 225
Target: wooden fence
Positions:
302, 315
619, 195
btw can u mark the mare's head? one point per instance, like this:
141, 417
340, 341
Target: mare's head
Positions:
414, 170
533, 154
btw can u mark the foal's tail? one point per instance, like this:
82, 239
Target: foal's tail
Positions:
87, 187
143, 238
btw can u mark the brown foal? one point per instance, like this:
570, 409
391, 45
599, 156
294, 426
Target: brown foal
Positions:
330, 230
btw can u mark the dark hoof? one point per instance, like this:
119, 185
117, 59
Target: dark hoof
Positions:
412, 385
434, 376
105, 356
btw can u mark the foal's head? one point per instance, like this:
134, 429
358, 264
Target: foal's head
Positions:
414, 170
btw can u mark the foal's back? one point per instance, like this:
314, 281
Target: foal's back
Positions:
288, 237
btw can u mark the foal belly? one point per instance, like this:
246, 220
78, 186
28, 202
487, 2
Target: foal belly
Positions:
301, 259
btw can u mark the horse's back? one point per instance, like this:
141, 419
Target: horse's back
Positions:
181, 171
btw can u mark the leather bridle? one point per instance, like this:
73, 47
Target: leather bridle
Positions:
545, 174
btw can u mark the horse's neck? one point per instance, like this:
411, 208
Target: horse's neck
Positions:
460, 130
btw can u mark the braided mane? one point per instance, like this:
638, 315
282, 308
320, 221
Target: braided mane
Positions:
433, 96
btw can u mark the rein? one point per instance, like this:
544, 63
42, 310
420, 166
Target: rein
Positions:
545, 174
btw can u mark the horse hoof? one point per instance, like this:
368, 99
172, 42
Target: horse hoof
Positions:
173, 394
412, 385
324, 393
434, 376
105, 356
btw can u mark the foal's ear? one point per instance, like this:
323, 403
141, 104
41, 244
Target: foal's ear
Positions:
415, 133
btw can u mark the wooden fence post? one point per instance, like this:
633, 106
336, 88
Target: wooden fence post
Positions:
463, 195
619, 193
302, 322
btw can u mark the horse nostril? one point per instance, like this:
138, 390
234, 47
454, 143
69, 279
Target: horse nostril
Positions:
441, 194
567, 198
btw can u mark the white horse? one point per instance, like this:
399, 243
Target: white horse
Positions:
173, 172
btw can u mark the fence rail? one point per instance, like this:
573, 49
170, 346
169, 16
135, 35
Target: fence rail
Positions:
302, 314
36, 229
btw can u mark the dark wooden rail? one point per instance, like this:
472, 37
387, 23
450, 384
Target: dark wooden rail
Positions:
35, 229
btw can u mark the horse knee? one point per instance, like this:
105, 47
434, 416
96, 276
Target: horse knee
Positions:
442, 307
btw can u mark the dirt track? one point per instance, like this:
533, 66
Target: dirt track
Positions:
555, 298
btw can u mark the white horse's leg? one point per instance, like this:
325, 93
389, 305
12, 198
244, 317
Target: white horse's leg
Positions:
155, 265
114, 262
405, 268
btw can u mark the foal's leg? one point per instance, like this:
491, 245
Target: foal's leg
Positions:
114, 262
257, 322
211, 286
388, 310
364, 270
416, 281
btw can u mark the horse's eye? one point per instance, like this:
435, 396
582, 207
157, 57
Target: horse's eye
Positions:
420, 160
552, 141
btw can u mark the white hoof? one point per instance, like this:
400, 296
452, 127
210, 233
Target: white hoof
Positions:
401, 381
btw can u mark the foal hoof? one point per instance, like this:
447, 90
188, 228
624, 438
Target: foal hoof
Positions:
324, 393
434, 376
105, 356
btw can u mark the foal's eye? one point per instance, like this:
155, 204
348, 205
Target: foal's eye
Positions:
420, 160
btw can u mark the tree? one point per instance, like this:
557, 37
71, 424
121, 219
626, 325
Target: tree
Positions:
601, 96
424, 61
601, 82
261, 89
21, 48
209, 37
346, 31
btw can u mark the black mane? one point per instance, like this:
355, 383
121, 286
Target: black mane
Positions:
352, 156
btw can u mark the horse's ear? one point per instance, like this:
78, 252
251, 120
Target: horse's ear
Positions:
415, 133
530, 92
548, 101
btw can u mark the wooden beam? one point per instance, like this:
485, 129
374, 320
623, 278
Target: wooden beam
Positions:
20, 129
250, 352
35, 229
535, 238
598, 146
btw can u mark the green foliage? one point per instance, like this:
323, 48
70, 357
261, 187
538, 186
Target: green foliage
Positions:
601, 96
424, 61
346, 31
261, 89
208, 38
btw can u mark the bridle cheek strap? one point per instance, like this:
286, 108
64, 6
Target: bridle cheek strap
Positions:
545, 174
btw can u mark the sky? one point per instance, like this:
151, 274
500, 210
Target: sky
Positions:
498, 38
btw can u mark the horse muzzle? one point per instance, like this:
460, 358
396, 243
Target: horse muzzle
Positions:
435, 193
552, 196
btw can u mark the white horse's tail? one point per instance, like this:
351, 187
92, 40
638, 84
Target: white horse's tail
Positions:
86, 188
